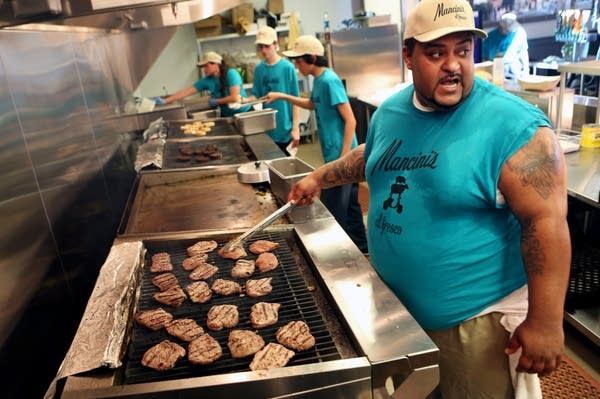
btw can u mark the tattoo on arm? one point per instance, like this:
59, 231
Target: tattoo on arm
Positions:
533, 256
349, 169
537, 167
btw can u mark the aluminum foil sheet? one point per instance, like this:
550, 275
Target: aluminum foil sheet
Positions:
99, 340
150, 154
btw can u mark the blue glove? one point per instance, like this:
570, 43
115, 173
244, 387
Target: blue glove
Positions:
212, 102
158, 100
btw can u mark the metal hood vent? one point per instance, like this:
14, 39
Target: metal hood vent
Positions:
111, 14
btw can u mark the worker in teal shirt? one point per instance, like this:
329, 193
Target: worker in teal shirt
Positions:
224, 84
277, 74
336, 124
508, 41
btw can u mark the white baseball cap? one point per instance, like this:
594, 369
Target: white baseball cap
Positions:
432, 19
210, 56
266, 35
305, 45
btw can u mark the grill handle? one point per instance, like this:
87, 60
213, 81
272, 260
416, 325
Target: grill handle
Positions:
236, 242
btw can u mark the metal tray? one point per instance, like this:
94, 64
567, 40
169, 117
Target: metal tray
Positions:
234, 150
254, 122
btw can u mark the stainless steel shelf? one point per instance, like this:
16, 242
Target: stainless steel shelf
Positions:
587, 321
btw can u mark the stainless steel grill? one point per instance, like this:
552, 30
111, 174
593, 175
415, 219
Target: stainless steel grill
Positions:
234, 150
289, 289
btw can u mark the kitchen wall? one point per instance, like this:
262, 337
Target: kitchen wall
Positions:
66, 151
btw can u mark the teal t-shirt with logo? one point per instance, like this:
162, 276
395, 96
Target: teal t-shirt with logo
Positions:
437, 234
280, 77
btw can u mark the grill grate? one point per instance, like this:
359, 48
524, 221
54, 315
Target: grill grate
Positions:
234, 150
289, 289
222, 127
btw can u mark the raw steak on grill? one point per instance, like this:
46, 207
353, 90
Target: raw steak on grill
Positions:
163, 355
235, 253
260, 287
174, 296
165, 281
263, 314
266, 262
161, 262
204, 350
201, 247
204, 271
199, 292
260, 246
154, 319
184, 329
271, 356
243, 268
194, 261
222, 316
295, 335
244, 343
226, 287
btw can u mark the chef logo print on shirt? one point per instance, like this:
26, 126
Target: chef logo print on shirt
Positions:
396, 190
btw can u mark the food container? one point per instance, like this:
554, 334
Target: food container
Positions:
590, 135
254, 122
538, 83
284, 172
253, 172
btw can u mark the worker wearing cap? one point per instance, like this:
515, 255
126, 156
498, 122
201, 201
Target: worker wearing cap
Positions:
467, 212
277, 74
336, 125
509, 41
224, 84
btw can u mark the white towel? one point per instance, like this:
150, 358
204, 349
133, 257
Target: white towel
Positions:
526, 385
514, 309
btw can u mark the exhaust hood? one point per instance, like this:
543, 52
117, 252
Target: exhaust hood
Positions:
111, 14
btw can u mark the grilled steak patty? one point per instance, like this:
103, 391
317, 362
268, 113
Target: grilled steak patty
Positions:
204, 271
174, 296
165, 281
154, 319
295, 335
199, 292
204, 350
260, 246
226, 287
263, 314
243, 268
271, 356
244, 343
260, 287
161, 262
194, 261
266, 262
235, 254
201, 247
163, 355
184, 329
222, 316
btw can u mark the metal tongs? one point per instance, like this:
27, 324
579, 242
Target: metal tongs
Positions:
238, 241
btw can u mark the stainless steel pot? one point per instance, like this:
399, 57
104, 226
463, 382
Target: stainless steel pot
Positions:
253, 172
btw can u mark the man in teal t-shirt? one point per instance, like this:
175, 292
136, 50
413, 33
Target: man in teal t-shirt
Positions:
277, 74
467, 212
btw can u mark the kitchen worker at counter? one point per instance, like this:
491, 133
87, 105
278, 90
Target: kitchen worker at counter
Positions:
467, 212
336, 124
509, 41
277, 74
224, 84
